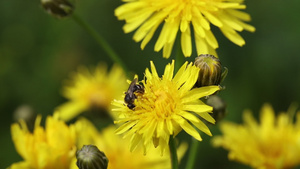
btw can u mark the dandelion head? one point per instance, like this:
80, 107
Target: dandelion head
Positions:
51, 147
92, 90
272, 143
187, 17
167, 105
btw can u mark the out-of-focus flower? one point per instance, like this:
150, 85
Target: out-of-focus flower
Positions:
116, 148
185, 15
50, 147
168, 105
274, 143
219, 107
92, 89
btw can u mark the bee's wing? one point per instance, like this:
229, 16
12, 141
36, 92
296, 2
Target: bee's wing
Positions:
131, 88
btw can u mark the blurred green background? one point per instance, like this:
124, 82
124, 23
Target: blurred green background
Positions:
37, 52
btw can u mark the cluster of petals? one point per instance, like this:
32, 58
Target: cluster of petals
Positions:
51, 147
168, 105
91, 89
190, 17
272, 143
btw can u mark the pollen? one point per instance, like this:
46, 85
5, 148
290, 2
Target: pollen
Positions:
162, 98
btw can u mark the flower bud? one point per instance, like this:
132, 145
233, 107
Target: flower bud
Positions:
90, 157
26, 113
219, 107
210, 70
58, 8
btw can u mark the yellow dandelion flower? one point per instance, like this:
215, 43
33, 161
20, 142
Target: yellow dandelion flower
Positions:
50, 147
272, 144
116, 148
89, 89
184, 15
167, 105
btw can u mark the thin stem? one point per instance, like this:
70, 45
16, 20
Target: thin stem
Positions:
192, 154
173, 153
179, 58
101, 41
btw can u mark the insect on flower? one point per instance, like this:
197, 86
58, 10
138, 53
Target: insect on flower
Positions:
130, 94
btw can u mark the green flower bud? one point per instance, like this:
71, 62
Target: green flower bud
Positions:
58, 8
210, 70
90, 157
219, 107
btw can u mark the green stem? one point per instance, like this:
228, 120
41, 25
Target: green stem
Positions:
179, 58
101, 41
192, 154
173, 153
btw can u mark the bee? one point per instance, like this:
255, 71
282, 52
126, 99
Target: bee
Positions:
130, 94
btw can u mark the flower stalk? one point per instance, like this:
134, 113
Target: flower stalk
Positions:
101, 41
173, 153
192, 154
178, 57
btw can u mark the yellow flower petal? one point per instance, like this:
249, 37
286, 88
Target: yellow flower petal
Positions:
147, 15
168, 49
69, 110
153, 70
169, 70
148, 36
186, 42
199, 93
233, 36
125, 127
189, 129
207, 117
181, 75
198, 108
214, 20
20, 165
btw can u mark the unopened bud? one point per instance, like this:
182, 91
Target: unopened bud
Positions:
210, 70
90, 157
58, 8
219, 107
26, 113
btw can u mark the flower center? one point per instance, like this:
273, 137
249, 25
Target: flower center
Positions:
161, 100
98, 96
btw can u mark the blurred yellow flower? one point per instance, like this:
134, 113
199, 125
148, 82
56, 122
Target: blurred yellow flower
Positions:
89, 89
46, 148
184, 15
272, 144
116, 148
168, 105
